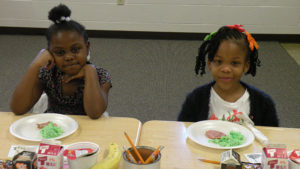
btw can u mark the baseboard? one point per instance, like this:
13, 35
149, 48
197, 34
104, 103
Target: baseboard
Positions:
295, 38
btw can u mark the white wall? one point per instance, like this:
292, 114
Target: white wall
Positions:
258, 16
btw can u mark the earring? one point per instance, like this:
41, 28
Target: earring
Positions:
88, 57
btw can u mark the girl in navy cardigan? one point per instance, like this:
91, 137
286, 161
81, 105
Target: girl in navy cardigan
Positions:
231, 52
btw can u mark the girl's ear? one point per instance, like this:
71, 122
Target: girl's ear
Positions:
88, 45
88, 57
247, 67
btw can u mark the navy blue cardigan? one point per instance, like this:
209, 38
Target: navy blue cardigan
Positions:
262, 107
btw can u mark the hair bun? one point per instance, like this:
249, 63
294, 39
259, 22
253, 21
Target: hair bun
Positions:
59, 11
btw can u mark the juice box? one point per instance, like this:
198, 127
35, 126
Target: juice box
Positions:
25, 159
50, 156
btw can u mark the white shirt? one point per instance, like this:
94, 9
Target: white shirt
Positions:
237, 111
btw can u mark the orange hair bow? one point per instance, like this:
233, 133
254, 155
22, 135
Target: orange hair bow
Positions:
251, 40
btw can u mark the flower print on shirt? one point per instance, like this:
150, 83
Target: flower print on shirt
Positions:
233, 116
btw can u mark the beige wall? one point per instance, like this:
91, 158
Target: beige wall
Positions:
259, 16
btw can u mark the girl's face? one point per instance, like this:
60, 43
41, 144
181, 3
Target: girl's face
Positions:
228, 65
69, 51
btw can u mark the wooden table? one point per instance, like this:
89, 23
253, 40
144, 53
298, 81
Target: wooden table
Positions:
101, 131
182, 153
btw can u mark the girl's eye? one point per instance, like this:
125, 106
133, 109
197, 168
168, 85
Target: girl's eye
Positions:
235, 63
218, 62
59, 52
75, 50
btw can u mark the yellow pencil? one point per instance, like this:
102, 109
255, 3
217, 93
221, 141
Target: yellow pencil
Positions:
134, 149
130, 156
209, 161
154, 154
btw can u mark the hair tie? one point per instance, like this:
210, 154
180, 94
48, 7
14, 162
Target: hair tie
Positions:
208, 37
237, 27
251, 40
63, 18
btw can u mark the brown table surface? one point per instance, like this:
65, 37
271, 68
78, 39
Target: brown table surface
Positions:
101, 131
182, 153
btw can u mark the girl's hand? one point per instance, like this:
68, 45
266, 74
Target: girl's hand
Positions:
44, 58
79, 75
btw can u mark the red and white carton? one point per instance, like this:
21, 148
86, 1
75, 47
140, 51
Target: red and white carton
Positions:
274, 157
50, 156
294, 161
295, 156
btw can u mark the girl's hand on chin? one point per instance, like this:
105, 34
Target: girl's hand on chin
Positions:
79, 75
44, 58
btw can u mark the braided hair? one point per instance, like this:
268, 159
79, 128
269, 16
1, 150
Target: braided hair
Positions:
60, 15
210, 46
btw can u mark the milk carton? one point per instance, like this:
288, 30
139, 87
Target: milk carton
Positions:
230, 160
274, 157
294, 161
50, 156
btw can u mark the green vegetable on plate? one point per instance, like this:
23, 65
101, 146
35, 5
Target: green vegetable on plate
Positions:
233, 139
51, 131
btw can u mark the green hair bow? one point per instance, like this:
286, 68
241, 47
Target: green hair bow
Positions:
208, 37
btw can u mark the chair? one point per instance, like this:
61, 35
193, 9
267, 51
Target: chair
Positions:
41, 105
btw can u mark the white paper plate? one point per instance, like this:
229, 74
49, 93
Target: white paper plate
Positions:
26, 128
196, 132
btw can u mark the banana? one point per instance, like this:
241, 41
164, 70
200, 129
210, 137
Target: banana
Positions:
112, 160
